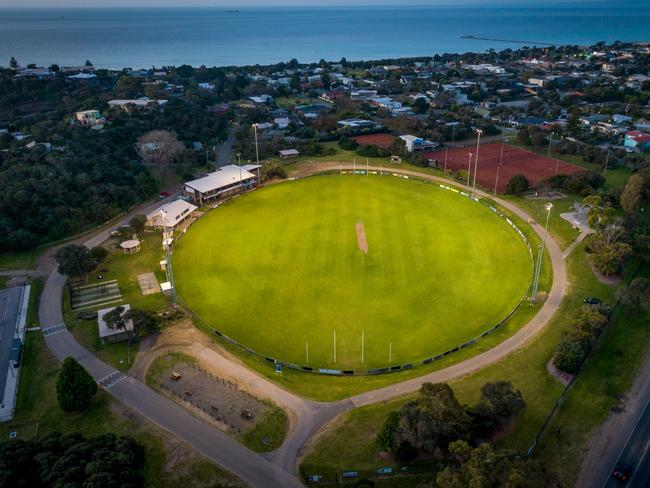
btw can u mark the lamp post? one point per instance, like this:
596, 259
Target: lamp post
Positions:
257, 155
469, 168
496, 182
478, 141
167, 242
540, 256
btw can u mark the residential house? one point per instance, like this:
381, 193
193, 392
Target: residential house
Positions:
144, 102
637, 141
90, 118
416, 144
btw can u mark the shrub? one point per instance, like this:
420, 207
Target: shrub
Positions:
570, 354
517, 185
386, 435
348, 144
99, 253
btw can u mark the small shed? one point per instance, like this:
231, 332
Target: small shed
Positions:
108, 335
166, 288
289, 153
131, 246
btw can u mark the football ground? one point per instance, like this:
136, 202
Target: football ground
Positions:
351, 272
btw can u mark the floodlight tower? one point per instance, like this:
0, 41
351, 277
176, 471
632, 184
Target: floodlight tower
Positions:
167, 243
257, 155
540, 257
478, 141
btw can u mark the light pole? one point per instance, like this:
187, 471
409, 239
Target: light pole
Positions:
496, 182
609, 150
167, 242
478, 141
446, 154
257, 155
469, 168
540, 257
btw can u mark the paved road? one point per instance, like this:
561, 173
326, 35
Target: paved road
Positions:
277, 468
635, 454
225, 151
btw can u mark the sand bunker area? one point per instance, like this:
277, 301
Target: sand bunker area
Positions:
362, 241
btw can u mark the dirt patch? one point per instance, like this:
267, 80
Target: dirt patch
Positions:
361, 237
561, 376
607, 280
222, 401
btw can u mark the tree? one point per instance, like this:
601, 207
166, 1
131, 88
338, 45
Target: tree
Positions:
433, 420
499, 403
55, 68
634, 191
13, 64
386, 435
159, 148
570, 354
421, 105
144, 323
637, 294
138, 222
88, 64
609, 258
74, 260
74, 386
486, 467
98, 254
517, 185
116, 318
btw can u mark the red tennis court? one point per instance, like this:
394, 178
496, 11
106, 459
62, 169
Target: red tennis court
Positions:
503, 161
383, 141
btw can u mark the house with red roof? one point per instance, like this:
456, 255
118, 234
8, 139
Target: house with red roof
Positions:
637, 141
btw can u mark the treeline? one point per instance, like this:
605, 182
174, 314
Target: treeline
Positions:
72, 460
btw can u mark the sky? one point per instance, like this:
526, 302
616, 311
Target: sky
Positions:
270, 3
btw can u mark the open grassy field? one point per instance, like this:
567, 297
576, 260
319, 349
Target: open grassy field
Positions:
283, 268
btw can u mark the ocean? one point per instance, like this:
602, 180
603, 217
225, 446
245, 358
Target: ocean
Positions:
139, 37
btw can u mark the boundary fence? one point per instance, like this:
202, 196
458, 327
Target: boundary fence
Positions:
390, 368
338, 478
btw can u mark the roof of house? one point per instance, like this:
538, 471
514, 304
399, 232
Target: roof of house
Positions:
105, 330
173, 211
638, 136
222, 177
141, 102
289, 152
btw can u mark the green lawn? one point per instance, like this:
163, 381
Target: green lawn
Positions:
124, 268
526, 369
38, 414
286, 271
561, 230
18, 260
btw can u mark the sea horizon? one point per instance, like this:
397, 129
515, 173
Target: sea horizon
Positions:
141, 37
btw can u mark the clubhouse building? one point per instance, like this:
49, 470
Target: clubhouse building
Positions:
222, 183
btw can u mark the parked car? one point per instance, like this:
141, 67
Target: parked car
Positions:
593, 301
165, 194
622, 472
